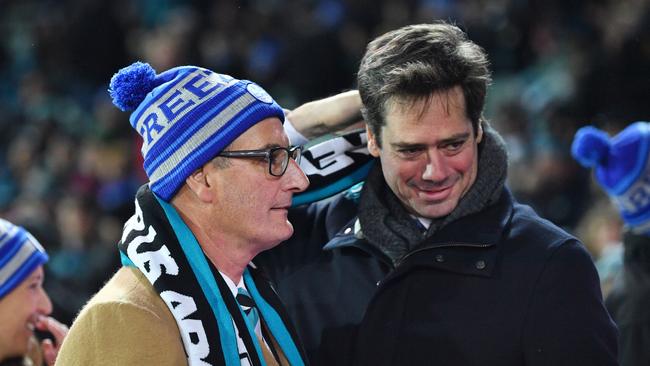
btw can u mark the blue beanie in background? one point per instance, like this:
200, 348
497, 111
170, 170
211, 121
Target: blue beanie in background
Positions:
186, 116
20, 255
621, 167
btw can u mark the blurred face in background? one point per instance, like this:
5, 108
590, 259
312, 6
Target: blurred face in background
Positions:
19, 310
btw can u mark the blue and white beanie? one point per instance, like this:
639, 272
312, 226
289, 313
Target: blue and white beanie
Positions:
186, 116
622, 168
20, 255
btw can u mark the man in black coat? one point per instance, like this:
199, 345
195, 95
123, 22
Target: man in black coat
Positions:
433, 262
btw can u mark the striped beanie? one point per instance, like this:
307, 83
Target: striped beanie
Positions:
186, 116
621, 165
20, 255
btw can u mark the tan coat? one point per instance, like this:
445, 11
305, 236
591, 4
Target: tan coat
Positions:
125, 323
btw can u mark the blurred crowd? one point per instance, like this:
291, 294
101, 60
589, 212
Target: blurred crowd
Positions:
70, 163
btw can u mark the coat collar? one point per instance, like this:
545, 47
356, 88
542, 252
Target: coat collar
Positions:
468, 245
484, 228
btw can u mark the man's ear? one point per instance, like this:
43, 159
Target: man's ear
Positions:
373, 148
198, 183
479, 133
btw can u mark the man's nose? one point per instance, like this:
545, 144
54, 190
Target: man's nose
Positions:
435, 167
296, 178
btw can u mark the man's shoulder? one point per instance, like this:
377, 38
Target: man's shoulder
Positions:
127, 285
541, 237
124, 322
527, 221
127, 294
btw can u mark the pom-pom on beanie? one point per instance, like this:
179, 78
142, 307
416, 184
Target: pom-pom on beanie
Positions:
186, 116
621, 167
20, 255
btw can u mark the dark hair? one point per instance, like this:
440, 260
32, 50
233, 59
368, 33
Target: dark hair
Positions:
416, 61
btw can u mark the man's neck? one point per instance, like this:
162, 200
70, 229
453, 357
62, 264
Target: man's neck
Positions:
226, 260
228, 254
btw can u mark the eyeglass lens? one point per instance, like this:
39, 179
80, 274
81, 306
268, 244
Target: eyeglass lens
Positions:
280, 159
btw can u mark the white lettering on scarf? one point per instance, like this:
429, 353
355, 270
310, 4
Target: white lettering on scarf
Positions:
329, 156
158, 259
182, 306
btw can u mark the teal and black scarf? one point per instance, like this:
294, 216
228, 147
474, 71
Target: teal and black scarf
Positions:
157, 241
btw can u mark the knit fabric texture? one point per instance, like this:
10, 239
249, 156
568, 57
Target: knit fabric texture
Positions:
20, 255
186, 116
621, 166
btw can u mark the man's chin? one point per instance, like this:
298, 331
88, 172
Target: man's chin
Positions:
281, 235
289, 231
23, 345
434, 210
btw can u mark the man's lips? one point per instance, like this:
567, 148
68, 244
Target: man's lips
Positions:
433, 193
281, 207
283, 211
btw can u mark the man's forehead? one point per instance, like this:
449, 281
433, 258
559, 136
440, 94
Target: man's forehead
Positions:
438, 118
266, 133
413, 107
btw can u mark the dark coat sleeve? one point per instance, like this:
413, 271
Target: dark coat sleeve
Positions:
567, 323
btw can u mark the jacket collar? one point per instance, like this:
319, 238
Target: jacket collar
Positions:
468, 245
484, 228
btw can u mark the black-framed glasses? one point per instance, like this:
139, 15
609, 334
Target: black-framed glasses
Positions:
278, 157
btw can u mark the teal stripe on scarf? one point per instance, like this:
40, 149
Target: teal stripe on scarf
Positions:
207, 282
334, 188
274, 322
126, 261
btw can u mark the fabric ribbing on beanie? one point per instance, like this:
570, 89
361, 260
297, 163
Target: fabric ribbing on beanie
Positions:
201, 145
190, 116
622, 167
153, 101
386, 223
20, 255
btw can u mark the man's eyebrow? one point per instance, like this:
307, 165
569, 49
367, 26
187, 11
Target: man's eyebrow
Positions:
406, 145
268, 146
456, 137
409, 145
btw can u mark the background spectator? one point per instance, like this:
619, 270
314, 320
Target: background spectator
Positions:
620, 165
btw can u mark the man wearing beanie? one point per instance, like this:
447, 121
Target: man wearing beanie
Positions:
24, 305
221, 178
621, 166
